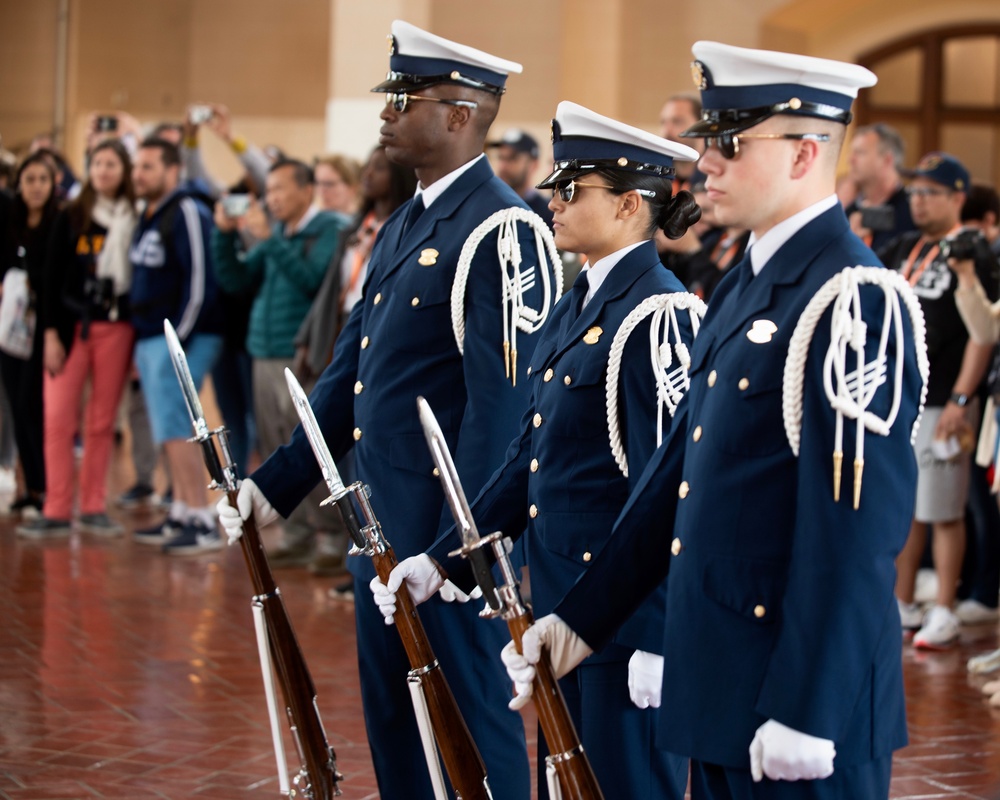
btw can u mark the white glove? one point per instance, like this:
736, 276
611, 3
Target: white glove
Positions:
566, 650
450, 593
249, 498
645, 679
422, 579
783, 754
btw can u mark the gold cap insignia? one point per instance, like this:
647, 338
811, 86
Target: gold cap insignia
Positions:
959, 184
761, 331
795, 104
593, 335
392, 44
698, 75
428, 257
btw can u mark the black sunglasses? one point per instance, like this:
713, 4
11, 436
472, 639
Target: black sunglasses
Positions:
400, 100
729, 143
567, 189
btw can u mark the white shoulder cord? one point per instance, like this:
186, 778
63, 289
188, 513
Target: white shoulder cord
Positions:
850, 393
515, 281
670, 386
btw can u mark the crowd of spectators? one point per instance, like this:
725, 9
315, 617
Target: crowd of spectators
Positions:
262, 274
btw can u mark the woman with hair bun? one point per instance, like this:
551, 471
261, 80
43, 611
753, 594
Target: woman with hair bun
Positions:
561, 486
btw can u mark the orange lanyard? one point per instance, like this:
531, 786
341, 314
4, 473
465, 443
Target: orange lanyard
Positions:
914, 275
366, 236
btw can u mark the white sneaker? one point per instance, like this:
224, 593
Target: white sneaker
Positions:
8, 480
940, 630
972, 612
925, 586
910, 615
985, 663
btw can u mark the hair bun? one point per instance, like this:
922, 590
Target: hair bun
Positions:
679, 214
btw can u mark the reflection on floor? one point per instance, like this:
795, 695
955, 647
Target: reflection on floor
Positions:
124, 673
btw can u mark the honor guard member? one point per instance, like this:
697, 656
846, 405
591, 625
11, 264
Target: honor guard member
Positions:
441, 98
561, 484
782, 635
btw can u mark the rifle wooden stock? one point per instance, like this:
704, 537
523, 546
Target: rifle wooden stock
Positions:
576, 776
293, 674
459, 753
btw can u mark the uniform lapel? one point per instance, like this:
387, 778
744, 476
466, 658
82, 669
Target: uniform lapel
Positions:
407, 244
621, 278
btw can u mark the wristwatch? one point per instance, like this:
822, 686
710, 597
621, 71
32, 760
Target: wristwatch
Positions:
960, 400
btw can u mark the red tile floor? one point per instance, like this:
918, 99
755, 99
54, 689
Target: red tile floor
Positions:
124, 673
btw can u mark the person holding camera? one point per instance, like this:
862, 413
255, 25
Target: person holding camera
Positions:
957, 365
87, 336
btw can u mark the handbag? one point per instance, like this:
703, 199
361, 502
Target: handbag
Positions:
17, 315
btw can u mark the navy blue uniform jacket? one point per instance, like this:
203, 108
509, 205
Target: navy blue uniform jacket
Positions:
398, 344
779, 601
560, 478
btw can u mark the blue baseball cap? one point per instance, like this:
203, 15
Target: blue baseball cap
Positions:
944, 169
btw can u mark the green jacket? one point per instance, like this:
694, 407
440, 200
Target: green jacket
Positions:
288, 272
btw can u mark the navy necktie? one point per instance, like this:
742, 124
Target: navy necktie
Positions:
577, 294
744, 274
413, 213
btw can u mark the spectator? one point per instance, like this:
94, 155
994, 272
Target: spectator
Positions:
217, 119
517, 160
287, 265
8, 450
982, 210
957, 364
26, 245
88, 336
722, 247
338, 181
678, 114
880, 211
173, 279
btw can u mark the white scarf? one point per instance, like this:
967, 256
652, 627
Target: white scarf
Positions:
119, 217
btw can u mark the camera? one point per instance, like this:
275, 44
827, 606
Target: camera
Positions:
107, 123
235, 205
100, 292
878, 218
963, 245
199, 115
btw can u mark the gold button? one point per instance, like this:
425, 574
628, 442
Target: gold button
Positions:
415, 302
377, 299
359, 387
711, 378
364, 343
436, 472
534, 465
744, 384
567, 380
697, 433
683, 489
537, 420
759, 611
548, 375
587, 556
675, 547
533, 511
357, 434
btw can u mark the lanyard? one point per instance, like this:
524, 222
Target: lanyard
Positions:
914, 275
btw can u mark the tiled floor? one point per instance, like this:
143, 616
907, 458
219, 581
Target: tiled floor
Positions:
124, 673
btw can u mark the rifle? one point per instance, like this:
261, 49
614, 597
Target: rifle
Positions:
567, 768
438, 715
318, 777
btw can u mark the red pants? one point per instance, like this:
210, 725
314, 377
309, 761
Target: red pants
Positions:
105, 358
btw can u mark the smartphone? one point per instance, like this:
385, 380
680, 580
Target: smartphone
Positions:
235, 205
878, 218
199, 115
107, 123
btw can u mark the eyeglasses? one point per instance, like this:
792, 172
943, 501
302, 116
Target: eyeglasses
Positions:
925, 191
567, 189
729, 143
400, 100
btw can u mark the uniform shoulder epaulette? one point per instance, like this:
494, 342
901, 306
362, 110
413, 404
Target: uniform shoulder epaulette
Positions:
850, 391
516, 280
669, 359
